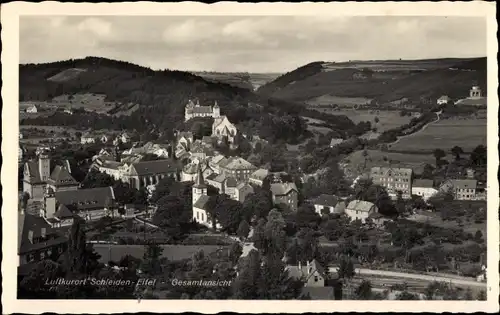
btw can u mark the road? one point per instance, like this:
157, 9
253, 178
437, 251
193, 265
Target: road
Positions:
389, 277
421, 129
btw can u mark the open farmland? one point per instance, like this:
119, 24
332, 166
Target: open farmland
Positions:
66, 75
387, 119
355, 161
87, 101
338, 100
445, 134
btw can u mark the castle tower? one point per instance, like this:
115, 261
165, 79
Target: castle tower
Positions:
475, 92
216, 110
44, 166
188, 110
199, 187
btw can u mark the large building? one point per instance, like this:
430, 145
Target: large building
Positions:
394, 180
146, 173
222, 128
37, 177
238, 168
193, 110
60, 208
328, 204
200, 200
462, 189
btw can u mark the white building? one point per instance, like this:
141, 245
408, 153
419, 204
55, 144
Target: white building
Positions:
423, 188
443, 100
200, 199
32, 109
223, 128
193, 110
87, 138
329, 203
359, 209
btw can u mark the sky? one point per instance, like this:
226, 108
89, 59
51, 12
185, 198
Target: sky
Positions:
248, 43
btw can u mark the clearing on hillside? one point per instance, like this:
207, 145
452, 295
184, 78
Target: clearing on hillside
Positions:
66, 75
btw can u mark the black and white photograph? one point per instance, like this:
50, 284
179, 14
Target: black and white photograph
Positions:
253, 157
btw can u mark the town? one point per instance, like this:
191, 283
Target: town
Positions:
215, 201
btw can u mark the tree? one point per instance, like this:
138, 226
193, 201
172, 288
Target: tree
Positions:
482, 296
151, 260
35, 284
376, 120
80, 258
478, 237
235, 252
456, 150
438, 155
243, 229
428, 171
346, 268
479, 156
172, 215
364, 290
257, 205
225, 211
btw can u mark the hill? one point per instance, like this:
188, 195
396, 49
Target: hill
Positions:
380, 81
158, 99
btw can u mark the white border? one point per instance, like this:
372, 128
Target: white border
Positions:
10, 59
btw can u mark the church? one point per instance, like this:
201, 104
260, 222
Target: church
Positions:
200, 200
193, 110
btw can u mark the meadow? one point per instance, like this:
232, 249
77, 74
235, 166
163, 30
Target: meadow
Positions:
88, 101
387, 119
445, 134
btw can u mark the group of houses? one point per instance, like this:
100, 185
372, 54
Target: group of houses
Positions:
88, 138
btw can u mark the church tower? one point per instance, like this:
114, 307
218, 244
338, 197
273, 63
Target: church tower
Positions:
199, 187
216, 110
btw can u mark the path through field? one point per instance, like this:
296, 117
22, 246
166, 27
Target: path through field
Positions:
421, 129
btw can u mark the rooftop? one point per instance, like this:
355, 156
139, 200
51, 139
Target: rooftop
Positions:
237, 163
424, 183
155, 167
282, 188
326, 200
360, 205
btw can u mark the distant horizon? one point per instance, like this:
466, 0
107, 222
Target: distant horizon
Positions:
254, 44
215, 71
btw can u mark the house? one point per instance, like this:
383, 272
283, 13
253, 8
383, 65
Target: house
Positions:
360, 210
394, 180
475, 98
145, 173
87, 138
462, 189
216, 162
335, 142
238, 168
68, 111
423, 188
200, 200
222, 129
37, 177
32, 109
443, 100
37, 240
257, 177
314, 277
378, 219
89, 204
241, 191
328, 204
193, 110
285, 193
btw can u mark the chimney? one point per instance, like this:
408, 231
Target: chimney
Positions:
44, 232
30, 236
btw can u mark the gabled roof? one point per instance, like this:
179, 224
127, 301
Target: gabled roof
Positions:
424, 183
444, 98
326, 200
231, 182
155, 167
61, 176
237, 163
464, 183
63, 212
395, 171
280, 189
202, 110
201, 202
360, 205
259, 174
28, 222
86, 199
199, 181
33, 172
243, 185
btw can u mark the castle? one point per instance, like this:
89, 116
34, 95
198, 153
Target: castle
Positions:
195, 110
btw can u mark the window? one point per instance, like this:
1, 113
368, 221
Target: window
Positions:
315, 278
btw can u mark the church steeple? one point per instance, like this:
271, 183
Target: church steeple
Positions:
200, 181
199, 187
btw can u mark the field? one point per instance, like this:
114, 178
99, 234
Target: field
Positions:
387, 119
446, 134
66, 75
88, 101
355, 161
338, 100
